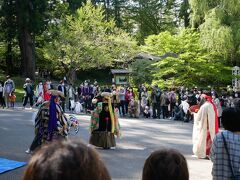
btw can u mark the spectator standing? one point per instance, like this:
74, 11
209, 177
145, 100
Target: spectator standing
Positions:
39, 89
46, 93
71, 97
122, 99
144, 100
29, 92
62, 88
2, 101
172, 99
155, 97
128, 96
8, 87
39, 93
217, 103
164, 102
225, 153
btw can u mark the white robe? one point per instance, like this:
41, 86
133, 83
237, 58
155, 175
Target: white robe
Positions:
204, 118
78, 108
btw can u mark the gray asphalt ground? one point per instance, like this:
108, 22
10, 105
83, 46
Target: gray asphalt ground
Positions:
140, 137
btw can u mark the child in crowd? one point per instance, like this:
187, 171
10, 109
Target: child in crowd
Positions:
146, 112
12, 99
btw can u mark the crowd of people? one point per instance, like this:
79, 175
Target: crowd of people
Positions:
205, 108
76, 159
147, 102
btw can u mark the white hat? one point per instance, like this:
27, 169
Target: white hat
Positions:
27, 79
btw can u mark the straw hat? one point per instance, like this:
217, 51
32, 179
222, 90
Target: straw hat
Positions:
56, 93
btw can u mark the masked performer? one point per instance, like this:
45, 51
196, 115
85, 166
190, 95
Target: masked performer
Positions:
50, 122
104, 123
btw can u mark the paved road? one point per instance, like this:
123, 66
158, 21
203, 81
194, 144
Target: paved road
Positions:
140, 138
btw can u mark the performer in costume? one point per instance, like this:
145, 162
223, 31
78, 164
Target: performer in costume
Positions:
205, 127
50, 122
104, 123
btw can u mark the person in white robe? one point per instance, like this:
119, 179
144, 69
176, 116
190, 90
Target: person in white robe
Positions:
205, 127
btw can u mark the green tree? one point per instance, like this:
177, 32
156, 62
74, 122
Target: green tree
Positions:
192, 66
86, 40
8, 24
141, 72
219, 23
152, 17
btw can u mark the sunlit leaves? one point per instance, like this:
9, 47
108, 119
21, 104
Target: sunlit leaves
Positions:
193, 65
86, 40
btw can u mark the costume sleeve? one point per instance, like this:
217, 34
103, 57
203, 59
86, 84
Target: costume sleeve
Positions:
211, 120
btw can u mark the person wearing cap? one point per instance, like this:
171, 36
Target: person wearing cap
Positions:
50, 123
29, 92
104, 122
8, 88
205, 126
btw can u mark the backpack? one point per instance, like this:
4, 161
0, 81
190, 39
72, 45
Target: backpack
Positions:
8, 87
172, 98
28, 89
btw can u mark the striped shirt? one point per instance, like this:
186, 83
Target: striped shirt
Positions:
221, 169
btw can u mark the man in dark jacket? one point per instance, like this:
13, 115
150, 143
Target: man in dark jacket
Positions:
29, 92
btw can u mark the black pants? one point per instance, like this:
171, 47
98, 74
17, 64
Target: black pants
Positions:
156, 106
122, 107
30, 97
171, 113
165, 111
2, 101
126, 106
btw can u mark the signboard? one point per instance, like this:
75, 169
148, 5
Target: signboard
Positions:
121, 79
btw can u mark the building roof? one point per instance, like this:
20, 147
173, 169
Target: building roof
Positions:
120, 71
151, 57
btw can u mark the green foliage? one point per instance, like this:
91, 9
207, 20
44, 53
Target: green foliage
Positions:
141, 72
193, 66
219, 23
152, 17
86, 40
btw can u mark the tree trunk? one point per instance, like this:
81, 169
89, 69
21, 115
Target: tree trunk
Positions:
71, 75
9, 58
186, 13
26, 48
25, 39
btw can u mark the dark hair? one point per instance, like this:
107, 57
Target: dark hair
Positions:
66, 160
208, 93
236, 102
166, 164
230, 119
